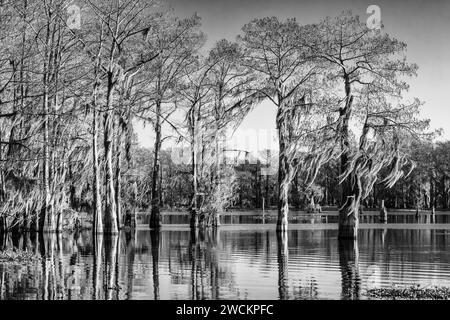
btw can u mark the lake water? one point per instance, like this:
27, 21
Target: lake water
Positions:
238, 261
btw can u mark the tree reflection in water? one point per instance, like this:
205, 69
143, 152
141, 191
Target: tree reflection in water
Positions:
283, 260
348, 261
96, 267
130, 243
222, 264
154, 236
203, 256
111, 267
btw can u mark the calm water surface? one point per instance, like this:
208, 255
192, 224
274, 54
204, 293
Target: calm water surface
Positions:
296, 217
235, 262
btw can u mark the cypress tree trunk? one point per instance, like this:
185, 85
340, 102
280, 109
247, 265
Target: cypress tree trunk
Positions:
432, 191
98, 219
3, 221
194, 204
118, 177
351, 186
46, 219
296, 194
3, 226
283, 192
218, 153
160, 186
258, 184
55, 190
349, 210
445, 194
98, 214
110, 218
447, 198
155, 216
284, 170
267, 195
383, 212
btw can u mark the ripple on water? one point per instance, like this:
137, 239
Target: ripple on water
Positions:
232, 263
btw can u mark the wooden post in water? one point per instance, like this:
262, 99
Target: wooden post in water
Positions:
383, 213
417, 212
433, 215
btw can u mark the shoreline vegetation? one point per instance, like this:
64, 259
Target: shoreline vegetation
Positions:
415, 292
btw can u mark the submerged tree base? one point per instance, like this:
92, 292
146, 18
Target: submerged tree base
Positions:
411, 293
347, 232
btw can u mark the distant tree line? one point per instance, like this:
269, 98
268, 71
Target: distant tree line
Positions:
426, 187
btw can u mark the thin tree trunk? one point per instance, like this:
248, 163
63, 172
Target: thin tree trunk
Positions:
194, 206
98, 214
160, 188
98, 219
267, 195
284, 174
155, 215
258, 184
218, 182
46, 219
296, 194
53, 174
118, 178
110, 218
432, 191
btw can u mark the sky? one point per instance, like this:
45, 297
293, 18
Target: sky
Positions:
423, 25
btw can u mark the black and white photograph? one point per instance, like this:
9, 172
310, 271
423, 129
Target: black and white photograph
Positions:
224, 150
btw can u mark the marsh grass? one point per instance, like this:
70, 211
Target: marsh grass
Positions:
415, 292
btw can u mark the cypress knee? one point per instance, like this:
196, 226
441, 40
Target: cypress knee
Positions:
383, 213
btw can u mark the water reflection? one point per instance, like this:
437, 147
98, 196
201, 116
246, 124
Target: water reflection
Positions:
205, 272
255, 217
96, 267
111, 267
283, 261
349, 263
224, 264
154, 236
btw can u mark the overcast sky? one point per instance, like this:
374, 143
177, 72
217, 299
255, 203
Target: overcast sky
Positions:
423, 25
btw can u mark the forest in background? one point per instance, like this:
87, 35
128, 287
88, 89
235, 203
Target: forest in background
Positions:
76, 76
253, 185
